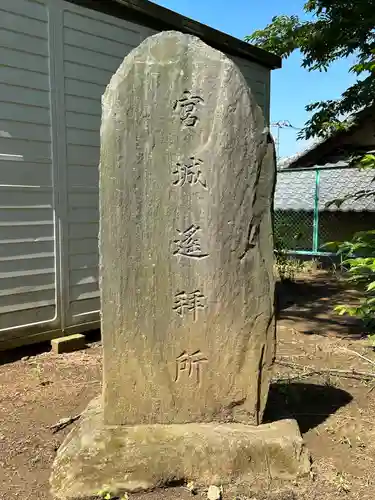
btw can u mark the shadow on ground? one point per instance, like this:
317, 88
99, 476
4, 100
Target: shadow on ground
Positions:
308, 306
309, 404
299, 293
29, 351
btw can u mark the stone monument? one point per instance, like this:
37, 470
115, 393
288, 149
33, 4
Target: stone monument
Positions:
187, 289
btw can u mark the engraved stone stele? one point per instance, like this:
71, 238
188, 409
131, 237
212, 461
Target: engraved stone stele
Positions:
187, 289
187, 285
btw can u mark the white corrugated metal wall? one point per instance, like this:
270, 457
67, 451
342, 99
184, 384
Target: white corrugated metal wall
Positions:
93, 47
28, 280
57, 59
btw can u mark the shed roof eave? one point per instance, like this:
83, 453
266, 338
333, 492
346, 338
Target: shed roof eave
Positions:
154, 16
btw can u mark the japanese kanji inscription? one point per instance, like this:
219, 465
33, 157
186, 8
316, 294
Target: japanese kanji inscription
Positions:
189, 172
188, 243
191, 365
187, 107
186, 303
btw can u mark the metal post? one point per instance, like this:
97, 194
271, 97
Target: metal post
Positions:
316, 212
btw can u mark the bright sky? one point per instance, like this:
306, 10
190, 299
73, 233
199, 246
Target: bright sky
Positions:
292, 87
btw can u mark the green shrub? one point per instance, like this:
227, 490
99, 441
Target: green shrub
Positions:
287, 267
359, 258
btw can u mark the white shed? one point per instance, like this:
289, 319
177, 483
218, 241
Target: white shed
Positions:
56, 58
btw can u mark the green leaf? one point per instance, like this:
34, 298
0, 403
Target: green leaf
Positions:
341, 309
368, 161
335, 30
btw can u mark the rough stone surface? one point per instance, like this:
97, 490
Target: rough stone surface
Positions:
187, 288
214, 492
96, 457
68, 344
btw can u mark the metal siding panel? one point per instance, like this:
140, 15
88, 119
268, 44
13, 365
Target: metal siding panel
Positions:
83, 292
26, 232
9, 325
85, 276
96, 44
80, 137
83, 188
19, 23
21, 41
84, 230
84, 309
80, 55
26, 131
83, 155
83, 246
86, 73
13, 76
79, 177
26, 8
83, 261
103, 26
22, 60
88, 15
26, 196
10, 286
26, 214
83, 121
23, 95
84, 200
86, 105
84, 89
28, 300
27, 174
26, 268
81, 214
94, 47
26, 114
257, 78
30, 151
27, 250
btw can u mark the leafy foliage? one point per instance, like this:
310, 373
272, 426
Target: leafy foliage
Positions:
281, 259
337, 29
287, 268
359, 256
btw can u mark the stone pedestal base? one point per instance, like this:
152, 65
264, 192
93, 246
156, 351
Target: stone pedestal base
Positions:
135, 458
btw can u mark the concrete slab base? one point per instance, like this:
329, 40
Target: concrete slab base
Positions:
69, 343
95, 457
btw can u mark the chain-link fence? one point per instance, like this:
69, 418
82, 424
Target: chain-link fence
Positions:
303, 222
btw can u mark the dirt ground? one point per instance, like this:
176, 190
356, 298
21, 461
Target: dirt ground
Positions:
336, 413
